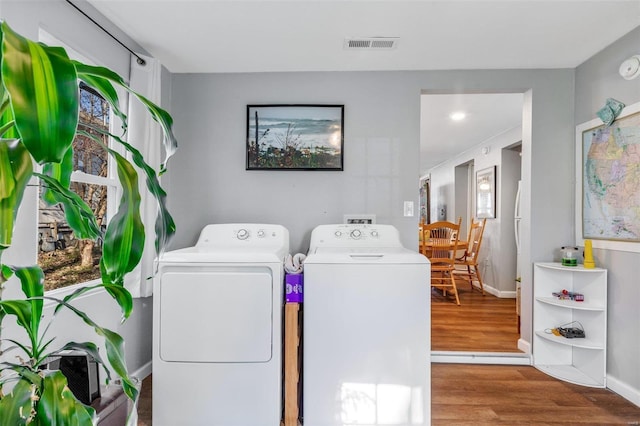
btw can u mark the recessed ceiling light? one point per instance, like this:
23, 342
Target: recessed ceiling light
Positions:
457, 116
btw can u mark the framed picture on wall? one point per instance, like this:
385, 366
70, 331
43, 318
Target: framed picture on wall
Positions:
486, 193
295, 137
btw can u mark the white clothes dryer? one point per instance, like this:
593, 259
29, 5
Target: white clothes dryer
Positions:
367, 317
217, 329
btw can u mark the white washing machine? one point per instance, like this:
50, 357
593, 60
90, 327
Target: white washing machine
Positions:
367, 316
217, 325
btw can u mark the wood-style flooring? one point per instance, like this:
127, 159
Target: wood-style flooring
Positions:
520, 395
492, 394
479, 324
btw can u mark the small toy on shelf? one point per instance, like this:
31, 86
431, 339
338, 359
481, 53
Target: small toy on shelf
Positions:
568, 295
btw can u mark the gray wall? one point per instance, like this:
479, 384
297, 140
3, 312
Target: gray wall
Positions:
208, 182
596, 80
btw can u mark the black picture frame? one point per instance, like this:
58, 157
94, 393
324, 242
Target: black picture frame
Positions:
295, 137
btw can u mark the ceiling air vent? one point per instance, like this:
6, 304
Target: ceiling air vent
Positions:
370, 43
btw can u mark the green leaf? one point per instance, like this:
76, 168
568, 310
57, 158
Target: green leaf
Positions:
59, 407
119, 293
6, 272
19, 345
89, 348
14, 153
16, 406
165, 227
7, 181
25, 373
61, 172
124, 237
21, 309
107, 91
32, 280
157, 113
123, 297
114, 345
43, 86
78, 214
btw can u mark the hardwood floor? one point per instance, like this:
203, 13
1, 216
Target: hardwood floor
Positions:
144, 402
520, 395
492, 394
480, 324
500, 395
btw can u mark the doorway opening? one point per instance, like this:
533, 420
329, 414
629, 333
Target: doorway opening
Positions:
452, 151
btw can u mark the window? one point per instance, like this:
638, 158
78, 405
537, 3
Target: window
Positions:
64, 259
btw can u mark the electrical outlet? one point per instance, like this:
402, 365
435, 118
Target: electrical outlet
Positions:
408, 208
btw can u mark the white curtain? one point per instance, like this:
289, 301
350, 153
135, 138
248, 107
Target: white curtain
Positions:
145, 134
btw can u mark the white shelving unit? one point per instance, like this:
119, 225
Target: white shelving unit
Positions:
579, 360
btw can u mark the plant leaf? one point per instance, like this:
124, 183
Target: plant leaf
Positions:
7, 181
165, 227
124, 238
157, 113
107, 91
123, 297
59, 407
15, 154
78, 214
114, 345
61, 172
43, 86
119, 293
32, 280
89, 348
21, 309
18, 345
16, 406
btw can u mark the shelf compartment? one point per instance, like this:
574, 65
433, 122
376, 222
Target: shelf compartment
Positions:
583, 343
571, 374
585, 306
560, 267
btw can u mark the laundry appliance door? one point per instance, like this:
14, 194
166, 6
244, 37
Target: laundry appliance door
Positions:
216, 314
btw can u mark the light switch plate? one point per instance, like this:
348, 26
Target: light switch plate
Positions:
408, 208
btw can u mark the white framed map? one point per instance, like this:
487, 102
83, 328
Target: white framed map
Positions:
608, 182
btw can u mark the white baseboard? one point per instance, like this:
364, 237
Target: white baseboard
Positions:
524, 346
624, 390
503, 358
501, 294
143, 372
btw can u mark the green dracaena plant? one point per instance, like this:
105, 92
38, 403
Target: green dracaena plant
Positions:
39, 110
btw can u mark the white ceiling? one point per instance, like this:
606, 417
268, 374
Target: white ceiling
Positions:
487, 115
215, 36
308, 35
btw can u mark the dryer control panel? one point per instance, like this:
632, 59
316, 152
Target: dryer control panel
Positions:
259, 236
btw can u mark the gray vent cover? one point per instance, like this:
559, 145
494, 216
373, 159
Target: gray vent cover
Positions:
370, 43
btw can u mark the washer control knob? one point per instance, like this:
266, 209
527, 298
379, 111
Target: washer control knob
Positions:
338, 233
356, 233
242, 234
374, 234
261, 233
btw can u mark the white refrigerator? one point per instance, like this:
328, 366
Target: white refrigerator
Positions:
517, 219
516, 222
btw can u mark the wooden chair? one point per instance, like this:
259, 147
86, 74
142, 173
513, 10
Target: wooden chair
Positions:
440, 242
467, 265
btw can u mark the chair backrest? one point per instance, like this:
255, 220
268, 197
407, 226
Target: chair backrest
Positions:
440, 240
475, 239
